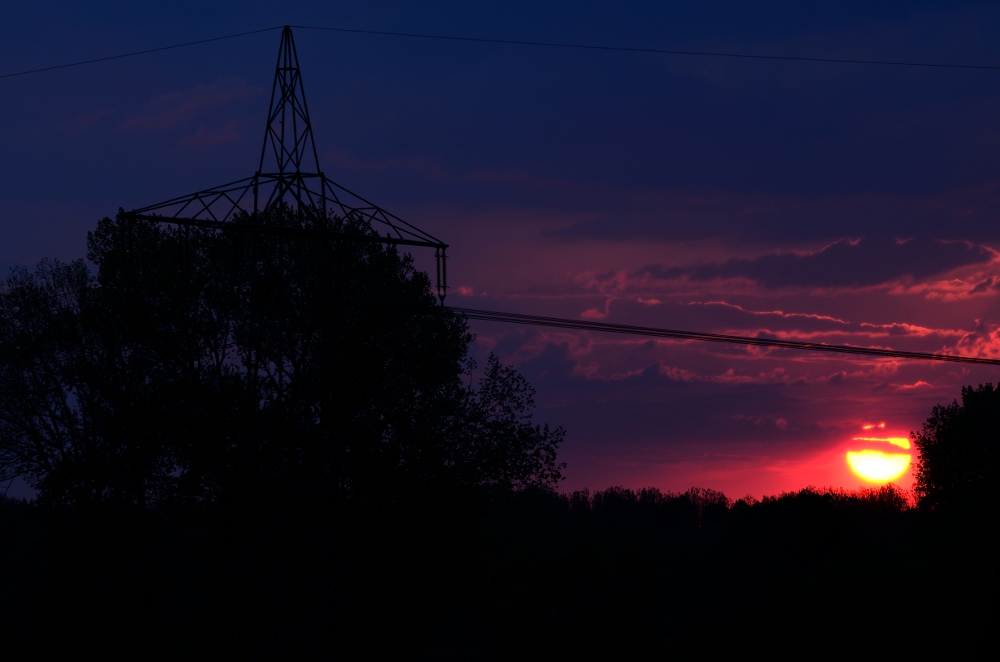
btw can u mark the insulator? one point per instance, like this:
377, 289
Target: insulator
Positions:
437, 261
443, 280
444, 270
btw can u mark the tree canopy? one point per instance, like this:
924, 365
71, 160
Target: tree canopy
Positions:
959, 446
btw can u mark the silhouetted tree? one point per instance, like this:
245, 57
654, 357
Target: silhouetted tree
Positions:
196, 361
495, 440
83, 415
959, 446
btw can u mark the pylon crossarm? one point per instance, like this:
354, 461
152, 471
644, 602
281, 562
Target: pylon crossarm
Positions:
386, 215
278, 229
220, 203
187, 199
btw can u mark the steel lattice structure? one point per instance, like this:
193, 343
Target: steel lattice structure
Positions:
289, 174
289, 177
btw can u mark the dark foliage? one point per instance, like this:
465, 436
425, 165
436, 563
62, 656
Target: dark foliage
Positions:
203, 413
195, 361
494, 574
959, 447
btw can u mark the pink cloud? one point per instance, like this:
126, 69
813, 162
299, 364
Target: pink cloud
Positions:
917, 384
838, 326
169, 110
593, 314
983, 341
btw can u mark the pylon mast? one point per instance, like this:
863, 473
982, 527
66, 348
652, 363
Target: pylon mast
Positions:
289, 174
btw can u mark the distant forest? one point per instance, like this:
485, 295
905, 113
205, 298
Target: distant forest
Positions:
256, 445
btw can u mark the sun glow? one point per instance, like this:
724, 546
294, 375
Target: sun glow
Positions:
876, 466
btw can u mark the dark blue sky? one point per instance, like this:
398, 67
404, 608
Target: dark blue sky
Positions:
604, 124
810, 200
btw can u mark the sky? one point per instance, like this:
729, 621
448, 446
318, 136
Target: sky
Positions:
821, 202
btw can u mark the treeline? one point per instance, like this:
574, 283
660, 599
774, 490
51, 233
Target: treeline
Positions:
500, 575
491, 573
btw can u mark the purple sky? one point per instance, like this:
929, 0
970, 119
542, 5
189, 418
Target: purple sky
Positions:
822, 202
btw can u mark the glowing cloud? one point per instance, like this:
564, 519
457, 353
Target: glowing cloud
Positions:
902, 442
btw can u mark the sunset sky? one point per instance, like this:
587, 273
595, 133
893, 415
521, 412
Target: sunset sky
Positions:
822, 202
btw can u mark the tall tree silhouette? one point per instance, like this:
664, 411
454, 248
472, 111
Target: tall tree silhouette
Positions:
959, 446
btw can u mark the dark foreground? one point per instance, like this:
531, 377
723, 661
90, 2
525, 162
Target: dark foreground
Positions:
498, 575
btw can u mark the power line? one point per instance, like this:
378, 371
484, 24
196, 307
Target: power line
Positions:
581, 325
124, 55
522, 42
660, 51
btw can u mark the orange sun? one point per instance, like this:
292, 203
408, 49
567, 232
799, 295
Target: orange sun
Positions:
876, 466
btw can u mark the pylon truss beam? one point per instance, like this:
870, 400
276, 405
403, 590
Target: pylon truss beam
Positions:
219, 207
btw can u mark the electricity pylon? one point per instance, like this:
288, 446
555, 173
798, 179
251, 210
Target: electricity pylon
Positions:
289, 587
289, 174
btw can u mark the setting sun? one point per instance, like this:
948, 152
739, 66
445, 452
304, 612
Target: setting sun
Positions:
876, 466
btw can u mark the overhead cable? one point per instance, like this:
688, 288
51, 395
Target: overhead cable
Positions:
583, 325
526, 42
144, 52
658, 51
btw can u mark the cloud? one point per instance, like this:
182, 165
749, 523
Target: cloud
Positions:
167, 111
777, 421
845, 263
204, 136
990, 283
909, 387
621, 212
983, 341
810, 325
